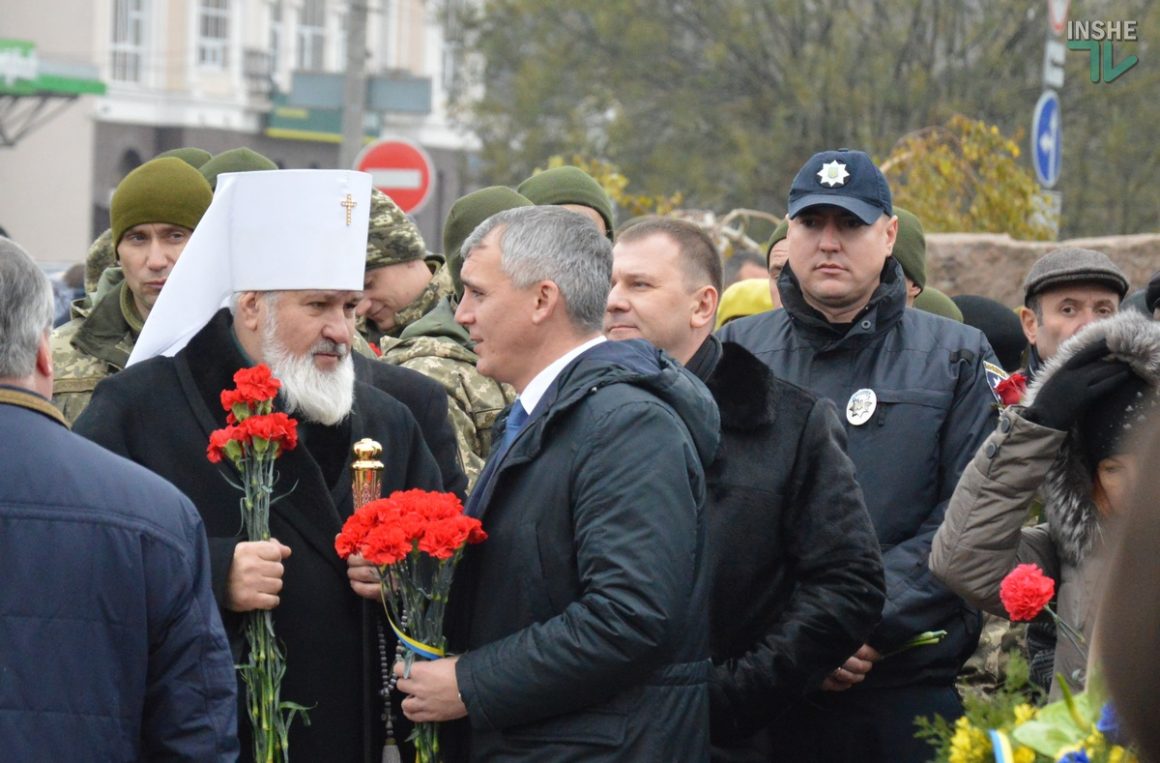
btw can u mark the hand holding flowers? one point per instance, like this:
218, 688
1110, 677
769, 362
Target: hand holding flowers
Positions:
412, 540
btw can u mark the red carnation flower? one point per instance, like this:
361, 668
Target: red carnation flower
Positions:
221, 440
276, 428
1011, 389
385, 544
1025, 592
230, 398
257, 384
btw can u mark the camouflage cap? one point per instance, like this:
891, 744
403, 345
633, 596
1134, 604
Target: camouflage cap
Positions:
392, 237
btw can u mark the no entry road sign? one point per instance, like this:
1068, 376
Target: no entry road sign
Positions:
400, 169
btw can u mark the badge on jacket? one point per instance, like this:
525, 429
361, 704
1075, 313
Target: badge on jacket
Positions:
861, 407
995, 377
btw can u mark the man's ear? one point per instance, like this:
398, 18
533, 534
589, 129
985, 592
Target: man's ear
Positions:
44, 357
547, 300
248, 311
1030, 324
704, 307
891, 233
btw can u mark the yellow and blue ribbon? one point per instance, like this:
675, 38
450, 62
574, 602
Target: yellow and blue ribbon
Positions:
426, 651
1001, 746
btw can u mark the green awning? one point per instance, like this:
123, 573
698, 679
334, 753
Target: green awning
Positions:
22, 72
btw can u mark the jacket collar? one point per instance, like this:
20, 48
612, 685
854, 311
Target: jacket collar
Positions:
741, 384
436, 289
107, 334
880, 314
24, 398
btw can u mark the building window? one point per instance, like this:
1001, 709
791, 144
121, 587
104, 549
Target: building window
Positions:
213, 34
276, 37
128, 45
312, 35
340, 43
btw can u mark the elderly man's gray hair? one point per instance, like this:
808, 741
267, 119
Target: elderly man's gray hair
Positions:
553, 244
26, 310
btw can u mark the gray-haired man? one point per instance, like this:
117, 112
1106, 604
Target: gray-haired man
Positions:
582, 618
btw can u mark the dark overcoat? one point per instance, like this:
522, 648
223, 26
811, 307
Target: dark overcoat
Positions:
796, 573
160, 413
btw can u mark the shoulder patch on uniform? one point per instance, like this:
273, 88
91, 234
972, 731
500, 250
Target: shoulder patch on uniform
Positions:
995, 377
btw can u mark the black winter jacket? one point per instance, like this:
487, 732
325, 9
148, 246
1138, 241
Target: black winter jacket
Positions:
583, 614
934, 408
796, 574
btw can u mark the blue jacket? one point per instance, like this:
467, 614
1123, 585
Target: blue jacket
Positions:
934, 408
111, 647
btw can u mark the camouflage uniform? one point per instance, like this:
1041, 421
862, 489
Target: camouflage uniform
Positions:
102, 256
439, 348
101, 274
426, 338
986, 670
87, 349
439, 287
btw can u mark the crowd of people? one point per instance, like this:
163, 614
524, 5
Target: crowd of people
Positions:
745, 510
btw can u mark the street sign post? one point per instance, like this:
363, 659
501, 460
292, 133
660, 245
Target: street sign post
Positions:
400, 169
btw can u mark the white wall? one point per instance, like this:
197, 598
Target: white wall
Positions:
46, 180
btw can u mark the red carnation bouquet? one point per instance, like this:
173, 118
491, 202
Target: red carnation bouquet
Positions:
1026, 592
415, 538
252, 440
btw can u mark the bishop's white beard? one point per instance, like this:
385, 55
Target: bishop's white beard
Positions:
320, 396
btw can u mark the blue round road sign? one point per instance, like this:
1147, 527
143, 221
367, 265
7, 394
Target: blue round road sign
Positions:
1046, 139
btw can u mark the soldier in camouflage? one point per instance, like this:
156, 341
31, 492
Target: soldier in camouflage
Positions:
154, 210
431, 342
403, 282
101, 272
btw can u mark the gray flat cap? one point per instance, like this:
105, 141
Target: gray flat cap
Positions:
1073, 265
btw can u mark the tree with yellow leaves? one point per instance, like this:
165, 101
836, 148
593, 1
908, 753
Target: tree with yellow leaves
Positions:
965, 176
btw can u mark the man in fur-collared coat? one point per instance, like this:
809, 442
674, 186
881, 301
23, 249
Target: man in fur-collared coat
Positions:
1072, 439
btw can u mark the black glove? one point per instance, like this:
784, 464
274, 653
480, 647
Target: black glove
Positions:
1084, 378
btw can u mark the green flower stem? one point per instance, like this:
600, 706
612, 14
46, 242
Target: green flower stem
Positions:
262, 674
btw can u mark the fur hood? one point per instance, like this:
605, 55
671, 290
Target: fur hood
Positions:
1072, 517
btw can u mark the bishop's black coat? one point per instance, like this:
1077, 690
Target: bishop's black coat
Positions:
160, 413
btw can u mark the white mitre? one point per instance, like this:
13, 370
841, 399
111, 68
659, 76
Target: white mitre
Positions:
264, 231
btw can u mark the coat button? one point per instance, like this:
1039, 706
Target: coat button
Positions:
992, 449
866, 325
1004, 424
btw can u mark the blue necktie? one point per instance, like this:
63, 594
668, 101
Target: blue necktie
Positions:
516, 419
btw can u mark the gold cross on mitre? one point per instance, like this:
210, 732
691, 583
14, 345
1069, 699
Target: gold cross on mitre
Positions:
350, 204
